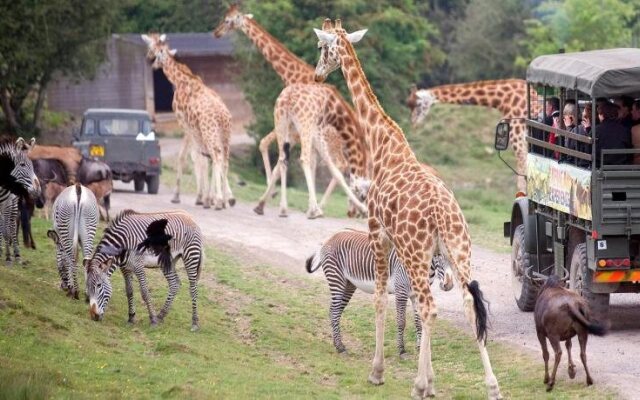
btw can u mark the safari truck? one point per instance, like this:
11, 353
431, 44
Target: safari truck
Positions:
125, 140
580, 216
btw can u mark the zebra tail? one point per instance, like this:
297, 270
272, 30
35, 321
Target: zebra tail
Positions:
480, 309
313, 263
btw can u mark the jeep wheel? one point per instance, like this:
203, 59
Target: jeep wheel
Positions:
138, 184
153, 184
524, 290
580, 276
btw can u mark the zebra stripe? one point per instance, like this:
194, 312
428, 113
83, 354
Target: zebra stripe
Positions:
117, 248
348, 263
75, 219
9, 227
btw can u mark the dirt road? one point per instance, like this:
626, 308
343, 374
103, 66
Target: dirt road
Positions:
287, 242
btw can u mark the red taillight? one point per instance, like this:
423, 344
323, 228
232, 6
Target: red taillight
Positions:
154, 160
615, 263
594, 234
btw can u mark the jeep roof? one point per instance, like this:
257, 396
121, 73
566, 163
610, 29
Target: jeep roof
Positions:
116, 112
610, 72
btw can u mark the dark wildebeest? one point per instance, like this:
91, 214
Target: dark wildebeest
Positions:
97, 176
561, 314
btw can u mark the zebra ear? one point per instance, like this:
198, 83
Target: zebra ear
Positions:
20, 145
53, 236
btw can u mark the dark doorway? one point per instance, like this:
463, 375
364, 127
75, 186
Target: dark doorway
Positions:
162, 91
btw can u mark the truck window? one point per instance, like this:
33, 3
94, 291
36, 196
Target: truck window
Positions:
89, 127
146, 127
118, 127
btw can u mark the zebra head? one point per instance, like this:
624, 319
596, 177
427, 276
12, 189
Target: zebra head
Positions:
360, 187
99, 269
22, 179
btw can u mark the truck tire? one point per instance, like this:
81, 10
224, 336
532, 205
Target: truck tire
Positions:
138, 184
579, 275
153, 184
524, 289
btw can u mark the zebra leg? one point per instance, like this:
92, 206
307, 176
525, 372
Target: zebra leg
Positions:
416, 320
144, 291
401, 319
128, 287
174, 284
340, 297
193, 289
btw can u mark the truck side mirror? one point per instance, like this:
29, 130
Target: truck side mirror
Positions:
502, 136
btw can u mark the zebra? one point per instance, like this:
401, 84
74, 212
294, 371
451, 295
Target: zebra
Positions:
75, 219
123, 245
17, 179
9, 228
348, 263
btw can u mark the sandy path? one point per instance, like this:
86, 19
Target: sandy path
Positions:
287, 242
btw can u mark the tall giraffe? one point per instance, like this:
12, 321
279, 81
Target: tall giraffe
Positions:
202, 114
509, 96
300, 112
409, 208
293, 70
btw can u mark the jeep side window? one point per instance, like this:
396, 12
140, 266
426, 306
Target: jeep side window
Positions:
89, 127
146, 127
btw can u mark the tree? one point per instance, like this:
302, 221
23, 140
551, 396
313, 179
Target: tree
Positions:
579, 25
43, 38
486, 40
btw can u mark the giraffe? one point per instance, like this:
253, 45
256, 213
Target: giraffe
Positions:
410, 209
300, 113
509, 96
200, 166
293, 70
202, 115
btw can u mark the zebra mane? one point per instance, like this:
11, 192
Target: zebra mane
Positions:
118, 218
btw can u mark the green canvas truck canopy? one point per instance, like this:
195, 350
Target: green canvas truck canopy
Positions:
610, 72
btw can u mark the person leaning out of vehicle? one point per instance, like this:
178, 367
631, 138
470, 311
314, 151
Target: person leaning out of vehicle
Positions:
624, 112
611, 134
635, 129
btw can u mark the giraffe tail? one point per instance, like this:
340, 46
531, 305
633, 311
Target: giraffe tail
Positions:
480, 310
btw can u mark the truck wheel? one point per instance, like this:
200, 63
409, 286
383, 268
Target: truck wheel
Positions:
579, 277
138, 184
153, 184
525, 291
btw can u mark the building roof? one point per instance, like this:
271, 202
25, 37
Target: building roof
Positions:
608, 72
188, 44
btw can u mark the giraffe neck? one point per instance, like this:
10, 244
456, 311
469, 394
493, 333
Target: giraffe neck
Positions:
351, 133
507, 96
177, 73
287, 65
387, 144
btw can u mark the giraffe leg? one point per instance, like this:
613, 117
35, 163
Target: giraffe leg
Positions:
259, 209
217, 183
200, 170
283, 190
182, 156
380, 245
306, 160
327, 192
264, 150
340, 178
228, 194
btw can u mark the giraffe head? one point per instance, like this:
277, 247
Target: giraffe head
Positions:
159, 51
420, 102
329, 41
233, 19
360, 187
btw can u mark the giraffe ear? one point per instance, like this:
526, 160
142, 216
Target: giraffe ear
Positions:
163, 38
146, 39
356, 36
173, 52
325, 36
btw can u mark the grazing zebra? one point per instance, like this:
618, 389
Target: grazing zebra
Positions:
75, 219
130, 242
348, 263
17, 178
9, 227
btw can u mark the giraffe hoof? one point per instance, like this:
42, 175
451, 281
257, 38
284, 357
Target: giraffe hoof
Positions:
283, 214
176, 200
232, 202
199, 202
259, 210
313, 214
376, 378
422, 393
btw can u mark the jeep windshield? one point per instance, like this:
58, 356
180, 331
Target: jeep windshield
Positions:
116, 123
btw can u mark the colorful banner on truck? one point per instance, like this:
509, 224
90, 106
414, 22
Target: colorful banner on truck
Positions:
560, 186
